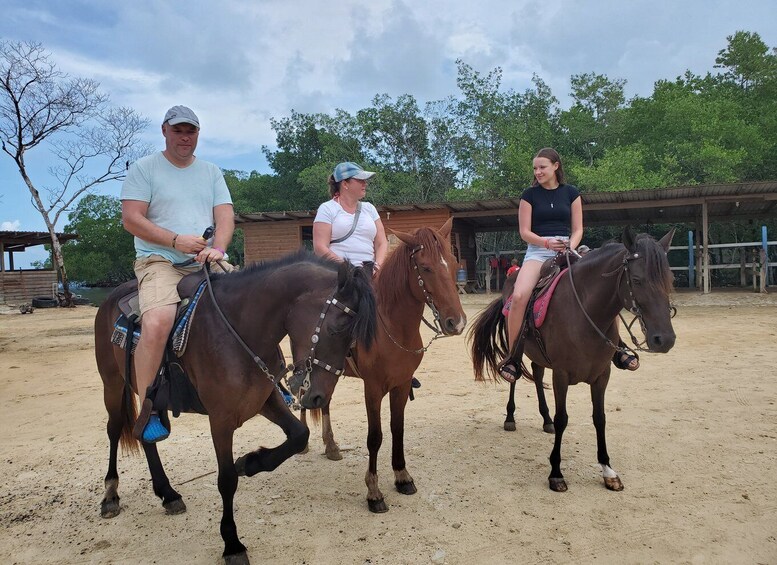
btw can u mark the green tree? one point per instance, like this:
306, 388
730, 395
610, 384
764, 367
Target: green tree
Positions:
589, 125
747, 61
104, 252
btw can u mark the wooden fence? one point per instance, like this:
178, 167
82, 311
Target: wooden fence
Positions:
18, 287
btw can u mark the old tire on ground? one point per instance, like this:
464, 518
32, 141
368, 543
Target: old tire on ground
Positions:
44, 302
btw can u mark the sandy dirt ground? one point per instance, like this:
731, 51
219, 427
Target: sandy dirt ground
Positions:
693, 435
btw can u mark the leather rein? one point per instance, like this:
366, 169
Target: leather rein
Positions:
630, 303
438, 333
304, 365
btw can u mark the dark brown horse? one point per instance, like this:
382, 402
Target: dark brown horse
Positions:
580, 332
421, 271
300, 295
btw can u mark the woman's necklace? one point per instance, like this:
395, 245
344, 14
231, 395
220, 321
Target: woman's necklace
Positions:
347, 205
553, 198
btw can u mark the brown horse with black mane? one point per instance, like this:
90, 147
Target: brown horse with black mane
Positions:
420, 272
321, 305
580, 333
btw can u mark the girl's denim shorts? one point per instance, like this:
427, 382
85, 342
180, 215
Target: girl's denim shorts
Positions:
538, 253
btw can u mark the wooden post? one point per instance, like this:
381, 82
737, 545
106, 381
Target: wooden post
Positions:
705, 257
742, 266
753, 263
764, 258
488, 276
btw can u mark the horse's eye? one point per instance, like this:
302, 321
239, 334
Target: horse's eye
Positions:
426, 269
636, 282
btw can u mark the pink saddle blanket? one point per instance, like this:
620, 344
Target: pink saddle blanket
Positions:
540, 309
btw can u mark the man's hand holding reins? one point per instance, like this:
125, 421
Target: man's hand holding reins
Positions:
210, 255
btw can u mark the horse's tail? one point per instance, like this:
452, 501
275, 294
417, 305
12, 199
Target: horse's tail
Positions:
129, 414
488, 340
118, 395
315, 415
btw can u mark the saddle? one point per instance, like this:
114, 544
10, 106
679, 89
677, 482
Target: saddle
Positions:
550, 275
172, 389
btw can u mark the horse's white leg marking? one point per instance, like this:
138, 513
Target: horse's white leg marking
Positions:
608, 472
373, 492
402, 476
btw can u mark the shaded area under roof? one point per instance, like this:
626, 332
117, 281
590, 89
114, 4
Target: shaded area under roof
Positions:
18, 241
682, 204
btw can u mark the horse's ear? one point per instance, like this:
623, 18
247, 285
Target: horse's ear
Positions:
628, 238
406, 238
666, 241
445, 230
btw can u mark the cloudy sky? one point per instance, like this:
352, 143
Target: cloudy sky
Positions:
238, 63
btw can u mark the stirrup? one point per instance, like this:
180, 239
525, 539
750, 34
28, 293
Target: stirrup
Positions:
154, 430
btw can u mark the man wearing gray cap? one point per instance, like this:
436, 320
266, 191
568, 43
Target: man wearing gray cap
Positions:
168, 200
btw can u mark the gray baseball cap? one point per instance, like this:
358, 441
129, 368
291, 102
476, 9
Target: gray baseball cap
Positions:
181, 115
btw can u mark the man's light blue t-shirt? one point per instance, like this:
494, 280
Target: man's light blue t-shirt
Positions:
180, 200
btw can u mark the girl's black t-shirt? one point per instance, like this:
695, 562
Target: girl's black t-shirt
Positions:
551, 210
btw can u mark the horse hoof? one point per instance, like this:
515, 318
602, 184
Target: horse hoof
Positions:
557, 485
333, 454
377, 506
613, 483
240, 466
307, 448
237, 559
549, 429
406, 488
109, 508
509, 426
175, 507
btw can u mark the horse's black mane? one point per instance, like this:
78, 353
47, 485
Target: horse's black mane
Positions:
263, 268
657, 268
357, 284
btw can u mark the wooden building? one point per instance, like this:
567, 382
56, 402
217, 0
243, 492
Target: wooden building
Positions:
273, 234
18, 286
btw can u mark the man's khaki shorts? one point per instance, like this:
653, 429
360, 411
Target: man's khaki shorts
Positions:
158, 280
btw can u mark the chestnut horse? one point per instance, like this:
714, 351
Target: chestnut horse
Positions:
314, 301
421, 271
580, 332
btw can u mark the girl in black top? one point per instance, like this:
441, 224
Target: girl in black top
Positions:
550, 219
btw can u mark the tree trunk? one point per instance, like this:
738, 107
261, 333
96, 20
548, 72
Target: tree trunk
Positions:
56, 249
59, 262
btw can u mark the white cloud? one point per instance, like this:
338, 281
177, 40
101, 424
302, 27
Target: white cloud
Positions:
10, 226
242, 62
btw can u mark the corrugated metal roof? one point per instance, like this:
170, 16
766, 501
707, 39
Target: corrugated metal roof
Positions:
17, 241
681, 204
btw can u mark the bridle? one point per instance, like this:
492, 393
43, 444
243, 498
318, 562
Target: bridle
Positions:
311, 359
628, 302
306, 364
436, 328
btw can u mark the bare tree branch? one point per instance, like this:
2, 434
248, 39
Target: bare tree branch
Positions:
37, 103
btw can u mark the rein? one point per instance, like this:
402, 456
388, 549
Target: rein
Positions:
307, 363
634, 308
438, 333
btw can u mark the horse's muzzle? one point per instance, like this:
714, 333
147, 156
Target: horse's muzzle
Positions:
313, 401
454, 326
661, 342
